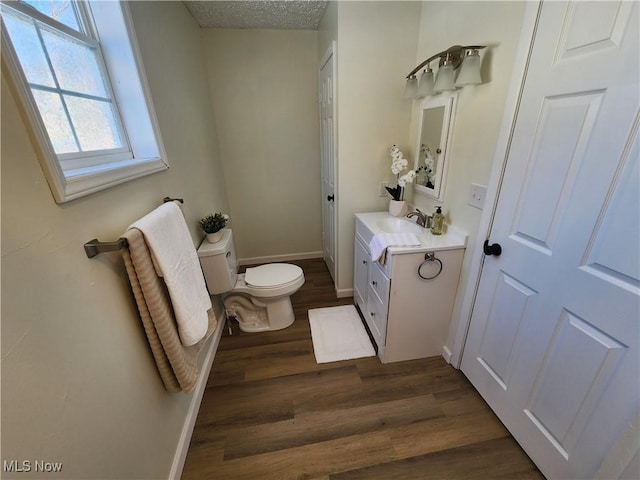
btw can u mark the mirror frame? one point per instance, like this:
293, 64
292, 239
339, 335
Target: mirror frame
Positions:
449, 102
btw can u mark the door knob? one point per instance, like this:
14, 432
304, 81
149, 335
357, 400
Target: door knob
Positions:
330, 198
493, 249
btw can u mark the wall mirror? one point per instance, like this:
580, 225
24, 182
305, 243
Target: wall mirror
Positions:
434, 141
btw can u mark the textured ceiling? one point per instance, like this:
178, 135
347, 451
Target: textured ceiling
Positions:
268, 14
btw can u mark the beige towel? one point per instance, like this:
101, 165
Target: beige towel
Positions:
167, 236
177, 364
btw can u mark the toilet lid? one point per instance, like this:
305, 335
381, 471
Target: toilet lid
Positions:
272, 275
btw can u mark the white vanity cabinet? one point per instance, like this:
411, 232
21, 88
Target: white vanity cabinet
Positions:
408, 316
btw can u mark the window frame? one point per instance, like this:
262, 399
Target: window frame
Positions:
75, 175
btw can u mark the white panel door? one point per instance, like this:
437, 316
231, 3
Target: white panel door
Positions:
553, 339
327, 155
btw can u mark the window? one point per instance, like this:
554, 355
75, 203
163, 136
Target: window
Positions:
76, 67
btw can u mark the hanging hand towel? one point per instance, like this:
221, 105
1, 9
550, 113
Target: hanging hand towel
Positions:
379, 243
166, 233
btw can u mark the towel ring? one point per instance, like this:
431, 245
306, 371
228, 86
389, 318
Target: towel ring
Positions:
430, 257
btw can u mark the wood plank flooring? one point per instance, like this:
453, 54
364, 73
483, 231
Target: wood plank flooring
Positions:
270, 412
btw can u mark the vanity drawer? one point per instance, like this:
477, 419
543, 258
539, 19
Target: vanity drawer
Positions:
379, 283
376, 317
360, 273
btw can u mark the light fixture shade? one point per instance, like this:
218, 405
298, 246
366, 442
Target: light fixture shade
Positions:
411, 89
426, 83
444, 78
470, 70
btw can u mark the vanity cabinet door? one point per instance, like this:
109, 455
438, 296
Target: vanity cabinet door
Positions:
360, 273
420, 310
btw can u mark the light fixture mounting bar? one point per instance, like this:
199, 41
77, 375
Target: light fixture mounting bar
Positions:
455, 54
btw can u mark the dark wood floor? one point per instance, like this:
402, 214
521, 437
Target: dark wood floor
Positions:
270, 412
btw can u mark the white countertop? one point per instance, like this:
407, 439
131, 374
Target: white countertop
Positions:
452, 239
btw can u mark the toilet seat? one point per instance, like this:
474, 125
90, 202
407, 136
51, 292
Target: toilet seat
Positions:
272, 275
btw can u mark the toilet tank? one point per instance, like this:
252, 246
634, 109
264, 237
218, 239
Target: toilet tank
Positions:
219, 263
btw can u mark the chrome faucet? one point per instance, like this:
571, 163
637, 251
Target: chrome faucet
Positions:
423, 219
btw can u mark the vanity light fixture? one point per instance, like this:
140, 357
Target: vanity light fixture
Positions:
467, 58
470, 69
426, 83
411, 90
444, 79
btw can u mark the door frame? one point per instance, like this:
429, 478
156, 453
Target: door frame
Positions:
512, 103
331, 54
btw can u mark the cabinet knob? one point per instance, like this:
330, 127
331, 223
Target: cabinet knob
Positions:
373, 314
374, 283
364, 262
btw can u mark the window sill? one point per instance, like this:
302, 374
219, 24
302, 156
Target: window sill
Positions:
83, 181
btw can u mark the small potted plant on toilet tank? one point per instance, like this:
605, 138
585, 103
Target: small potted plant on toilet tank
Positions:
213, 224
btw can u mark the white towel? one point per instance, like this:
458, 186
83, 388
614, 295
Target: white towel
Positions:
380, 242
169, 240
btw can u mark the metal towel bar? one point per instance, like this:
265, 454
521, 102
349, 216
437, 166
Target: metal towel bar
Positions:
95, 246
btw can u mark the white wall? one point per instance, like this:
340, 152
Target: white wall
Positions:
376, 48
264, 92
328, 28
480, 108
79, 384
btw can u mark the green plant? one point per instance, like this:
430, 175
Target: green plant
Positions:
214, 222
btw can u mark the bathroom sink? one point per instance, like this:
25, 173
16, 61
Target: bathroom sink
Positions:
399, 225
372, 223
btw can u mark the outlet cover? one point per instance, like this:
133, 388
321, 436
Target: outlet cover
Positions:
477, 194
382, 192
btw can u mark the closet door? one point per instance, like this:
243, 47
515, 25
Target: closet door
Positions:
553, 340
328, 158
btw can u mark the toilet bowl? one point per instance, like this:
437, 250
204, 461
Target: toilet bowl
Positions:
260, 298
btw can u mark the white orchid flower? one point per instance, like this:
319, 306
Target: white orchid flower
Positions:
398, 165
406, 178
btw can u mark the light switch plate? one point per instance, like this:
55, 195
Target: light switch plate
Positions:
477, 194
382, 192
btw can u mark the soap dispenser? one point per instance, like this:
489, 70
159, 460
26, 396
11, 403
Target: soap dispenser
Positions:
438, 222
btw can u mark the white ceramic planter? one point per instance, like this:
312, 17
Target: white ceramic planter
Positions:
398, 208
214, 237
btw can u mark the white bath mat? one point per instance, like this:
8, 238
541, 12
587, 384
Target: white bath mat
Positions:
338, 334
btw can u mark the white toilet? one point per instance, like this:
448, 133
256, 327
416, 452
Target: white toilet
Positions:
260, 299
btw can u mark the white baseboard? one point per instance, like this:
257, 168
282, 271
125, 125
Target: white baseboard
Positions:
196, 399
344, 292
446, 353
279, 258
